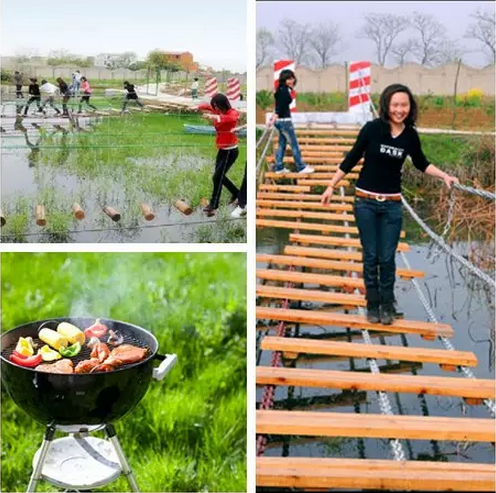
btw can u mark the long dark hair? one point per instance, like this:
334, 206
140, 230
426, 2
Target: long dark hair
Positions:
285, 75
385, 101
220, 102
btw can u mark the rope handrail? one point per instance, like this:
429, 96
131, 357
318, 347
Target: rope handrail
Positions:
471, 267
475, 191
123, 228
264, 152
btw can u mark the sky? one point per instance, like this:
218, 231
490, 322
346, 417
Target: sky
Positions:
214, 30
349, 17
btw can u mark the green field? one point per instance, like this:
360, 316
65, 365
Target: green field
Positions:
189, 432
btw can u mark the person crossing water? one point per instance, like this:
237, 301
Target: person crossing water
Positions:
50, 90
66, 95
131, 95
224, 119
85, 87
35, 95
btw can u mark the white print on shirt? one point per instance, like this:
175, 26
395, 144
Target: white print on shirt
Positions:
392, 151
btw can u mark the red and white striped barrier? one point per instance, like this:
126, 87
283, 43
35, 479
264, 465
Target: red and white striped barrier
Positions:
359, 87
211, 88
279, 66
233, 89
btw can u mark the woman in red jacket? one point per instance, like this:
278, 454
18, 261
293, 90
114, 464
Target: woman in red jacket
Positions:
224, 118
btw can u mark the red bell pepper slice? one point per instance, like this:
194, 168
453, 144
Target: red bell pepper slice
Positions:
96, 330
28, 362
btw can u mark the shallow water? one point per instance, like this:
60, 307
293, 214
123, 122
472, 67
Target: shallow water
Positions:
26, 173
457, 301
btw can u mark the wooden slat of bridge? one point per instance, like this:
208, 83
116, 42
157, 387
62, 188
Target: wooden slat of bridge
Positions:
336, 241
356, 321
325, 140
297, 176
285, 188
374, 426
328, 264
377, 351
312, 160
322, 253
312, 473
286, 204
343, 132
298, 196
344, 299
325, 216
416, 384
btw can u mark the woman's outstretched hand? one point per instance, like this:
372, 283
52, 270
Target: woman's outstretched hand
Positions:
449, 180
326, 196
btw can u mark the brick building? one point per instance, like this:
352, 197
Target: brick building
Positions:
183, 58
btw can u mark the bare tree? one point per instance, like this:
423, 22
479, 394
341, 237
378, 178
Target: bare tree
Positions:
382, 30
324, 41
265, 41
403, 50
432, 35
484, 31
294, 40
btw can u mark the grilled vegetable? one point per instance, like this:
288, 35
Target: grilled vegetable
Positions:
70, 351
28, 362
24, 347
53, 339
48, 354
93, 342
72, 333
96, 330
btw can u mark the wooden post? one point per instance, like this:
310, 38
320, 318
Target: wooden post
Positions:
78, 211
183, 207
40, 215
112, 213
454, 93
204, 202
147, 211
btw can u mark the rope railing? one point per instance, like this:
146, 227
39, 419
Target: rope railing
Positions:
475, 191
450, 251
467, 372
266, 148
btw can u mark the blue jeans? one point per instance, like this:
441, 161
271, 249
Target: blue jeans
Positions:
287, 134
379, 225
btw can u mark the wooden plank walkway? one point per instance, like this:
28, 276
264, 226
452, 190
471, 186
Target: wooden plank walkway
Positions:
323, 238
312, 473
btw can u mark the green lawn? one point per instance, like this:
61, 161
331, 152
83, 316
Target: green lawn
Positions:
189, 432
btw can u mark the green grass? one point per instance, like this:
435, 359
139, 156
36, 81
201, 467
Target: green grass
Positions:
189, 432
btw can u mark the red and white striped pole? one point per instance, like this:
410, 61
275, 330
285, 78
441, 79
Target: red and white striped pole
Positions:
233, 89
279, 66
359, 86
211, 88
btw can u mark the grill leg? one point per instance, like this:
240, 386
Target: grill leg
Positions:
45, 447
126, 469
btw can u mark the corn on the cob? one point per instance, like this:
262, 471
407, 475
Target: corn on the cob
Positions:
53, 339
71, 332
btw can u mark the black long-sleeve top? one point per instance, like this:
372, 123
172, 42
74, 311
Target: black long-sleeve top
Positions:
283, 100
384, 156
34, 89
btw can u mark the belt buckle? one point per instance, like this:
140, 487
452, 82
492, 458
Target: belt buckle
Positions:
380, 198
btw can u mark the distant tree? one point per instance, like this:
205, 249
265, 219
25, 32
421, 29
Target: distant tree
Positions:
382, 30
265, 42
294, 38
137, 66
428, 48
402, 51
483, 30
324, 41
63, 57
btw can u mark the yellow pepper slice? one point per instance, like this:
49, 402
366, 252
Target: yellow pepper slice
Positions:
24, 347
48, 354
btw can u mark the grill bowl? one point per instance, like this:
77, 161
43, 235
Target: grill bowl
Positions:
78, 399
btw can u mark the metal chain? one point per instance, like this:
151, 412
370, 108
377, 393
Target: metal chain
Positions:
471, 267
383, 399
446, 342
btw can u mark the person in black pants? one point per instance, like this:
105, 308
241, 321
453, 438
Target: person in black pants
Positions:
66, 95
34, 92
18, 84
385, 143
131, 95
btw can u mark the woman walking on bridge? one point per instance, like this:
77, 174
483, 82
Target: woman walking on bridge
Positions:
384, 143
284, 124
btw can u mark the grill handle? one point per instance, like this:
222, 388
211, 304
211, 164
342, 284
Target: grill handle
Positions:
168, 362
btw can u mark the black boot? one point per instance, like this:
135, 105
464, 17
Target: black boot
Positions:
387, 313
373, 315
373, 302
